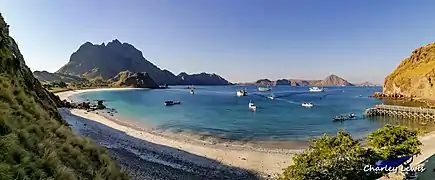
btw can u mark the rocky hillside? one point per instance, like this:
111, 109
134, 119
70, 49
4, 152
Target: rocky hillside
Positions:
136, 80
106, 61
202, 79
415, 76
44, 76
35, 142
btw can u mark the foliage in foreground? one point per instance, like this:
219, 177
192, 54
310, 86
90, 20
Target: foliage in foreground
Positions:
342, 157
35, 143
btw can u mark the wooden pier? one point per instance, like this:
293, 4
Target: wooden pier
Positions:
401, 111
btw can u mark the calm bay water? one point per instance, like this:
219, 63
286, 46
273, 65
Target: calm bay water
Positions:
217, 111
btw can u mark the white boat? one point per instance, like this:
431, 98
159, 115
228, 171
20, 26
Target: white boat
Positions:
264, 89
252, 106
305, 104
242, 93
271, 96
192, 91
316, 89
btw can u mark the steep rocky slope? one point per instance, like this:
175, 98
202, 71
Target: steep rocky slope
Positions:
136, 80
44, 76
415, 76
106, 61
35, 143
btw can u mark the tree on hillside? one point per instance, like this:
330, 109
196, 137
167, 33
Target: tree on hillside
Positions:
342, 157
394, 141
62, 84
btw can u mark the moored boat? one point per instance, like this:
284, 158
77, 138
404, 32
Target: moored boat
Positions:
271, 96
242, 93
170, 103
252, 106
264, 89
316, 89
307, 104
192, 91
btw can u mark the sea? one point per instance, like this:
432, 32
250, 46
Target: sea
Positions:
216, 111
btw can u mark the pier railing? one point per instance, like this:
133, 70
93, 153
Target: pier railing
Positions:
403, 111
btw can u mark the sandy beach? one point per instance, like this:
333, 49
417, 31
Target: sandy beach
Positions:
268, 162
183, 153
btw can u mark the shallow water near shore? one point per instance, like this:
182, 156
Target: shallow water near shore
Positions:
216, 114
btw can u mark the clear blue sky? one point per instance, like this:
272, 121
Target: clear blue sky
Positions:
242, 40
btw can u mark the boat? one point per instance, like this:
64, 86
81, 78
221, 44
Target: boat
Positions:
242, 93
170, 103
307, 104
271, 96
252, 106
264, 89
316, 89
192, 91
339, 118
343, 117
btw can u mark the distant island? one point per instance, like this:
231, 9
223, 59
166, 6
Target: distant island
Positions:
331, 80
105, 62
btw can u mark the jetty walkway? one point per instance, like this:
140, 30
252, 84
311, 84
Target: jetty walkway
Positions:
400, 111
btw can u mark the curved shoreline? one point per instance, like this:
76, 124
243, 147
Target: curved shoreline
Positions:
263, 160
269, 161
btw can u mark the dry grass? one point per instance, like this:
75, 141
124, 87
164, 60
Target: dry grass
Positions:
35, 142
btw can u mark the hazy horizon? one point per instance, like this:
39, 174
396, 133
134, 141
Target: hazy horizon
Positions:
243, 41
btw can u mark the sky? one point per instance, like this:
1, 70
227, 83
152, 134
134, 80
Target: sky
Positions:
241, 40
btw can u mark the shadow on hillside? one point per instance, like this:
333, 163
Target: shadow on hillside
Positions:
146, 160
429, 173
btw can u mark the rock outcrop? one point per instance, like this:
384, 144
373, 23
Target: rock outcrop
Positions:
44, 76
35, 142
136, 80
202, 79
415, 76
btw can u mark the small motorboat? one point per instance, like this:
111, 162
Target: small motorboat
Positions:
339, 118
351, 115
271, 96
242, 93
192, 91
316, 89
307, 104
170, 103
264, 89
252, 106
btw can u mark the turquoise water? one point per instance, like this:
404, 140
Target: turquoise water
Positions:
217, 111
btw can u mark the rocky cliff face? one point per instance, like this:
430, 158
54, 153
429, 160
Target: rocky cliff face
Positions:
136, 80
44, 76
35, 142
202, 79
415, 76
106, 61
